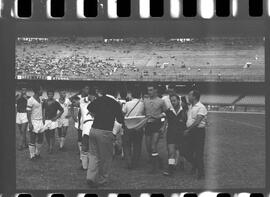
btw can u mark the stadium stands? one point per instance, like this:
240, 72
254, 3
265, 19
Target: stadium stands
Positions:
141, 59
252, 100
218, 99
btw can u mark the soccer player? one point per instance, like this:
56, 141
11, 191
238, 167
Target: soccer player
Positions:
86, 121
154, 107
176, 118
195, 132
79, 125
50, 108
21, 117
34, 116
63, 121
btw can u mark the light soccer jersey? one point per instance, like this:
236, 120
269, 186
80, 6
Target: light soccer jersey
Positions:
85, 115
65, 106
35, 107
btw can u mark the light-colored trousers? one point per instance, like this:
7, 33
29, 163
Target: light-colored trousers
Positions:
100, 155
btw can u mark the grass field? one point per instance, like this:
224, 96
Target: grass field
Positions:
234, 158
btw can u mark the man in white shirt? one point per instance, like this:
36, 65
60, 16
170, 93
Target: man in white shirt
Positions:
78, 122
196, 123
35, 117
86, 125
132, 139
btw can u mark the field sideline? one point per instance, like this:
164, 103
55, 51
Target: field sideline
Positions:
234, 158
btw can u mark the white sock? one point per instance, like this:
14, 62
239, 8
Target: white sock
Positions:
62, 141
155, 154
84, 158
32, 150
171, 161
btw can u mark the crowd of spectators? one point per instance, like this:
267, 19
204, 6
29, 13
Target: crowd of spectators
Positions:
98, 58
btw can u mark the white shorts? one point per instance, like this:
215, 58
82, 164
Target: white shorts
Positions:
87, 127
21, 118
37, 126
50, 125
63, 122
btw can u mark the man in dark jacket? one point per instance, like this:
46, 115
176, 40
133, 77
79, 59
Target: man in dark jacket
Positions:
105, 111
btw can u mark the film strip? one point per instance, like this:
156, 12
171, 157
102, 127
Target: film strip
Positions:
114, 28
83, 9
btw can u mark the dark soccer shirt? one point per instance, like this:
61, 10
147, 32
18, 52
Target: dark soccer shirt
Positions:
21, 105
105, 110
176, 122
51, 109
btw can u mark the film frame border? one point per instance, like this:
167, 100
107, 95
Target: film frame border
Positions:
11, 29
237, 10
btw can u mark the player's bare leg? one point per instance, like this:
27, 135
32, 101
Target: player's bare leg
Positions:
48, 139
18, 127
156, 161
52, 140
23, 135
59, 132
32, 146
63, 137
22, 130
171, 159
180, 160
148, 140
39, 145
84, 152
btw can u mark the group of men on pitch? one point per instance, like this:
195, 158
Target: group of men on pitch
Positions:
101, 117
39, 115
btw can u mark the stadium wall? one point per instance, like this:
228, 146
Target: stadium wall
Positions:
214, 95
182, 87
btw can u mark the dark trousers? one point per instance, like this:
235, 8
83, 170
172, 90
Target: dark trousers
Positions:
132, 146
193, 148
79, 135
85, 143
